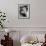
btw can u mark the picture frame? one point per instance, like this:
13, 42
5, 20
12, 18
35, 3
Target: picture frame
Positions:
23, 11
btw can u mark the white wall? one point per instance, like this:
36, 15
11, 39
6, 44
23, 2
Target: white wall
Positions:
37, 13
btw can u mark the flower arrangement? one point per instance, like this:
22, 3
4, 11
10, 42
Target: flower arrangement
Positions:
2, 19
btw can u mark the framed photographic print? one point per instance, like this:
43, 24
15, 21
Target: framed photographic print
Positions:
23, 11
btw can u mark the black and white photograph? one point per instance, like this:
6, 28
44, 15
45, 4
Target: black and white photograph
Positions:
23, 11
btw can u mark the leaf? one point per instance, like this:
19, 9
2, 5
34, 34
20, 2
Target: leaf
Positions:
0, 12
4, 13
2, 26
4, 16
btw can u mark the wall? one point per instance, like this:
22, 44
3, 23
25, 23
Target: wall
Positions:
37, 13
